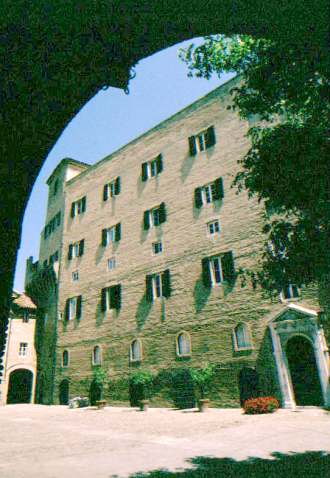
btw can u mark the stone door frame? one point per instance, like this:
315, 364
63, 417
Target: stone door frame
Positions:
296, 320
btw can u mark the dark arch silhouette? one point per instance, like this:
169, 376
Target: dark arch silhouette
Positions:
303, 370
55, 56
248, 384
64, 392
20, 386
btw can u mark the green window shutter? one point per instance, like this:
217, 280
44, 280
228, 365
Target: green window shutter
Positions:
219, 188
103, 300
81, 247
118, 232
228, 268
210, 137
149, 295
104, 237
105, 192
146, 220
144, 171
166, 283
67, 307
192, 146
70, 252
117, 296
78, 310
162, 213
198, 198
117, 186
58, 218
83, 204
72, 209
159, 163
206, 273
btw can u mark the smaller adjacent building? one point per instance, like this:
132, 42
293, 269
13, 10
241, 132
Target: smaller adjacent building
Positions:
18, 379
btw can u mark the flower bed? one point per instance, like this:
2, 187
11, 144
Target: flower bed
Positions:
261, 405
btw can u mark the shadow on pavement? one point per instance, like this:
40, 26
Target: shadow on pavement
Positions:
294, 465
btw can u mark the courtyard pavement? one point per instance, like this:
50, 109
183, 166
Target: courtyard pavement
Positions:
55, 442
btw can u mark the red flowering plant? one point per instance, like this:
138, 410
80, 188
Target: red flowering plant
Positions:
261, 405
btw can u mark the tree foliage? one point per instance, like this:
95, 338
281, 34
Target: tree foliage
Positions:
284, 93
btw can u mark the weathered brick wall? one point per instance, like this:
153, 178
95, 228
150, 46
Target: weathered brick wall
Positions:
208, 315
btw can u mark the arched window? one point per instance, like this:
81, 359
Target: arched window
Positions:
242, 337
65, 358
183, 344
136, 350
97, 359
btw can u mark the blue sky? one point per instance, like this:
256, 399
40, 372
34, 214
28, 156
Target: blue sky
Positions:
108, 121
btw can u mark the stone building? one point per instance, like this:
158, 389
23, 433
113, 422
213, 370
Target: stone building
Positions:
138, 271
19, 362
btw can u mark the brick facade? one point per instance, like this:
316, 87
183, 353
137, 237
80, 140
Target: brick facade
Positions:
208, 315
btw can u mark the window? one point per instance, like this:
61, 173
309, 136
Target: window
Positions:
53, 258
55, 188
23, 347
152, 168
52, 225
26, 316
111, 298
78, 207
157, 247
111, 234
111, 263
158, 285
242, 338
75, 276
217, 269
155, 216
209, 193
76, 249
213, 228
183, 345
290, 292
97, 356
136, 350
65, 358
202, 141
111, 189
73, 308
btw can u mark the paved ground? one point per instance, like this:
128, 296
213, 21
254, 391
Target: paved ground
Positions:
51, 442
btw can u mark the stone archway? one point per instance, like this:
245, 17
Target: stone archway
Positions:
303, 371
64, 392
20, 386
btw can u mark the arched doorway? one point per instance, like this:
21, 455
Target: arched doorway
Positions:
64, 392
95, 392
304, 372
20, 386
248, 384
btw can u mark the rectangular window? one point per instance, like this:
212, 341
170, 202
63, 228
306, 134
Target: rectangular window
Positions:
23, 348
155, 216
52, 225
111, 298
158, 285
209, 193
73, 308
213, 228
111, 234
26, 316
217, 269
53, 258
76, 249
157, 247
75, 276
111, 189
111, 263
78, 207
290, 292
202, 141
152, 168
